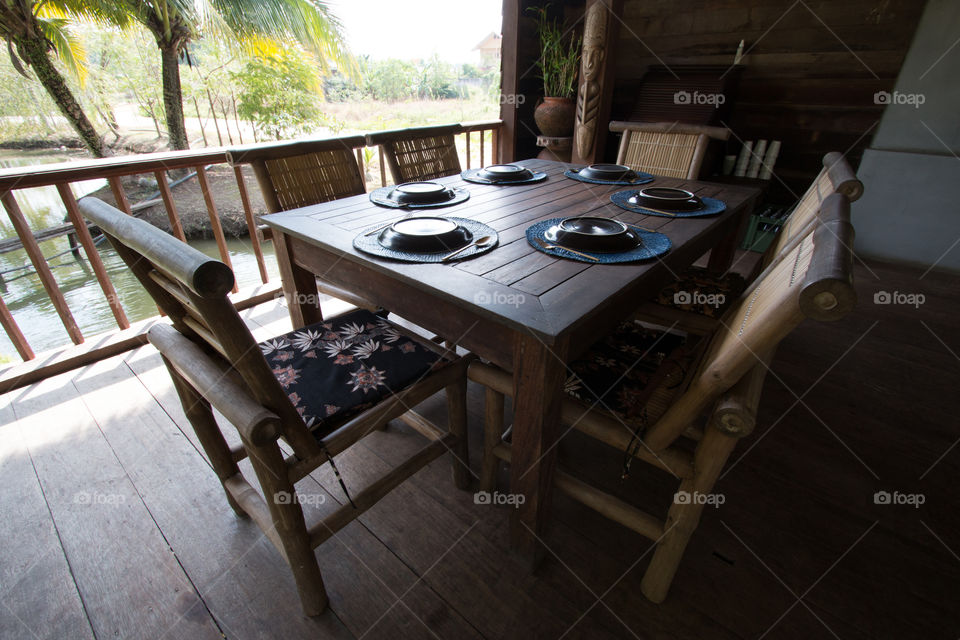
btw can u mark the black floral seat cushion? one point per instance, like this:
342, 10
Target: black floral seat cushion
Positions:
334, 368
702, 291
614, 375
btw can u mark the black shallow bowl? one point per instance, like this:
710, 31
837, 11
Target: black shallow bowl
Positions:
426, 234
421, 193
666, 198
592, 233
505, 173
608, 172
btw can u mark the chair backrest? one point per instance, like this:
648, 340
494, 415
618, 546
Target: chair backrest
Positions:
815, 280
667, 149
191, 289
305, 172
836, 177
423, 153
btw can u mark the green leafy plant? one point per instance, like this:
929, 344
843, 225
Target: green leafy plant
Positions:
278, 94
560, 56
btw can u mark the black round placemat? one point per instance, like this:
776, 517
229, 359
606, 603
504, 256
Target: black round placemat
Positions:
653, 244
711, 206
470, 175
371, 245
381, 197
642, 178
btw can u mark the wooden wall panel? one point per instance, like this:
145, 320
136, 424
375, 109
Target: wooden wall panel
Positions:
810, 74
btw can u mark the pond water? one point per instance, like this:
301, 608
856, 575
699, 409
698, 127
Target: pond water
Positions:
27, 299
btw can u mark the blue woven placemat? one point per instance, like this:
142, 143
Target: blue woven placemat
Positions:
371, 245
470, 175
642, 178
380, 197
652, 244
711, 206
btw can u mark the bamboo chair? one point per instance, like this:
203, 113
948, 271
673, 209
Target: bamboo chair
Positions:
815, 280
836, 176
303, 173
668, 149
424, 153
215, 363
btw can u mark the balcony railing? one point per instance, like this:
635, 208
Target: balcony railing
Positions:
476, 136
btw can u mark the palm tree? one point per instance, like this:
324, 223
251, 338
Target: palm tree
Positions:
34, 28
175, 23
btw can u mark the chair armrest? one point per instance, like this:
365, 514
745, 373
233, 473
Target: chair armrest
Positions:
256, 423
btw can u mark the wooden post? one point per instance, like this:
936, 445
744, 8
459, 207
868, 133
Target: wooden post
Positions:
169, 205
83, 235
509, 80
251, 224
123, 203
36, 256
600, 31
214, 219
14, 333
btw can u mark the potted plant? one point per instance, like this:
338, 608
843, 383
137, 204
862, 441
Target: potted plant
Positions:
558, 65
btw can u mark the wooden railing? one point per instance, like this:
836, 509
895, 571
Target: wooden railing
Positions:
487, 130
113, 169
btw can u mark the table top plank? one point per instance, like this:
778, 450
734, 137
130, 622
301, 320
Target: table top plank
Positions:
549, 296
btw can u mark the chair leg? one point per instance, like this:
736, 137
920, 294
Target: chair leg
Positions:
457, 416
289, 524
683, 517
492, 434
201, 418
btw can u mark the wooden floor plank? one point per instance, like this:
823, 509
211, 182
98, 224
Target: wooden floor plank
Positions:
110, 539
225, 557
38, 596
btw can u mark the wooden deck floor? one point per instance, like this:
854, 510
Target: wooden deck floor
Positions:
114, 526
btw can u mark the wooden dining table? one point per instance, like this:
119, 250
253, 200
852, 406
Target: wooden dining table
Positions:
521, 309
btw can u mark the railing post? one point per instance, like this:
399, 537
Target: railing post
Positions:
467, 134
120, 195
169, 205
83, 234
214, 219
251, 224
40, 264
14, 333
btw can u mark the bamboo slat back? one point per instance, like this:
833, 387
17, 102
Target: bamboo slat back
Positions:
424, 153
191, 289
665, 149
815, 280
836, 176
298, 174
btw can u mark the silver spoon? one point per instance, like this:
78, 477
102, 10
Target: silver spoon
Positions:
480, 243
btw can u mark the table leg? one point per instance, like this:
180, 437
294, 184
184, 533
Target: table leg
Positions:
721, 256
299, 285
539, 373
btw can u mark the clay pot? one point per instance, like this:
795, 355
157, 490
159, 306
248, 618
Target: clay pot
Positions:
555, 116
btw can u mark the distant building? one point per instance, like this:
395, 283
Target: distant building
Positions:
489, 49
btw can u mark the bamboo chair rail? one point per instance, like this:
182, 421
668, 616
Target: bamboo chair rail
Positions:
62, 175
814, 280
665, 148
215, 363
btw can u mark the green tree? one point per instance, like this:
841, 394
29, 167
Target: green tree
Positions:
34, 28
279, 94
260, 24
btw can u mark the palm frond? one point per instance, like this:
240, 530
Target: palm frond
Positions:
68, 48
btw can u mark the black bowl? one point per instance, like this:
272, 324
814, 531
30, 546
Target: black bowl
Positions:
421, 193
608, 172
666, 198
505, 173
592, 233
425, 234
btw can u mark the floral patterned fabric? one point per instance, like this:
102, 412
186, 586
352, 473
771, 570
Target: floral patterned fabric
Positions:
702, 291
344, 365
615, 373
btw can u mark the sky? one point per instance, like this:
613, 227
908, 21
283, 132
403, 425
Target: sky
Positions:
410, 29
